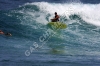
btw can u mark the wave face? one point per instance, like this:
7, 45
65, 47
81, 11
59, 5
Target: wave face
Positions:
27, 23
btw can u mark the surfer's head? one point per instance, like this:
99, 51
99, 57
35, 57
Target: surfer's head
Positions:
8, 34
55, 13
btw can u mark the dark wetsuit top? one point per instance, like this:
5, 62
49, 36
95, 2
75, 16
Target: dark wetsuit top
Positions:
56, 19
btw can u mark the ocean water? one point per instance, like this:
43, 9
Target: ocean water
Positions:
34, 44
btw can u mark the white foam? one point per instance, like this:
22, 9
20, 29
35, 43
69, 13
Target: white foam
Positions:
90, 13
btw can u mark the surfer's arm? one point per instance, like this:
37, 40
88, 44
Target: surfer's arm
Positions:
55, 18
1, 32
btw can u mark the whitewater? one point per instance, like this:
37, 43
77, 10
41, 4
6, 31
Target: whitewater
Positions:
88, 12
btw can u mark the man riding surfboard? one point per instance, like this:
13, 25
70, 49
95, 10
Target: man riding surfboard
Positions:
56, 17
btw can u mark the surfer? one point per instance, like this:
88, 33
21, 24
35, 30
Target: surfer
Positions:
56, 18
1, 32
7, 34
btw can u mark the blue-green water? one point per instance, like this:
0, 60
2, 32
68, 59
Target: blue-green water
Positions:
78, 44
